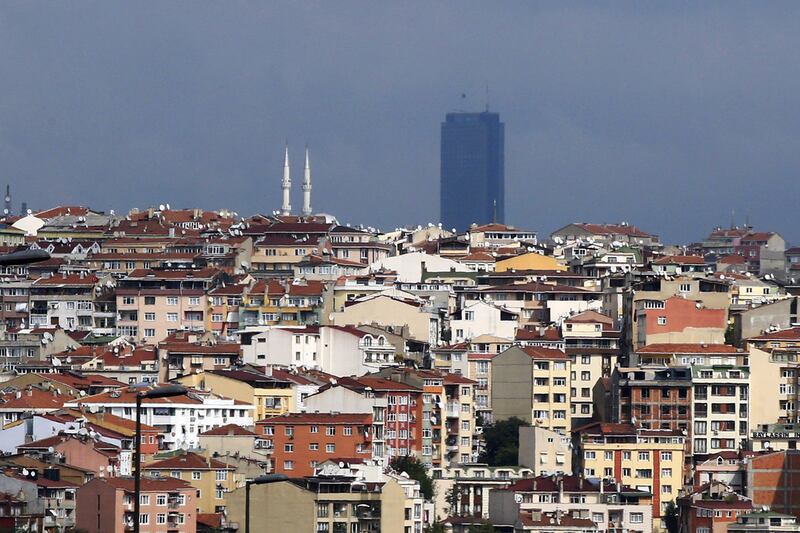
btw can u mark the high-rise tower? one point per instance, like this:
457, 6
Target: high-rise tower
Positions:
7, 210
286, 185
472, 170
307, 187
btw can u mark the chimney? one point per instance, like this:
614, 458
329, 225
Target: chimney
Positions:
268, 371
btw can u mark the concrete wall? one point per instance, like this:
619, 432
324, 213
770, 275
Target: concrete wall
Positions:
512, 385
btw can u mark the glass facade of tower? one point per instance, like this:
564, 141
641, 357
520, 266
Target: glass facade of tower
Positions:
472, 170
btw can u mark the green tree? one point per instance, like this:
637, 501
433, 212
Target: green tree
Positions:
415, 470
501, 442
436, 527
671, 517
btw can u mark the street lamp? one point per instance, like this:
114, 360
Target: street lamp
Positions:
260, 480
164, 391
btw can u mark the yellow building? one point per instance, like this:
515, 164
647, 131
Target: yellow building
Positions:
529, 261
213, 479
650, 460
271, 395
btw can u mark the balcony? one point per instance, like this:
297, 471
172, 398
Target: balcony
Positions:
452, 410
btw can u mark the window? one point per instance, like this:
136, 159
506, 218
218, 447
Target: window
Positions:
144, 499
161, 499
313, 446
662, 321
666, 456
221, 475
637, 518
289, 431
330, 431
589, 455
216, 317
149, 332
219, 494
608, 456
348, 430
194, 300
144, 518
196, 475
150, 317
128, 300
330, 448
172, 317
314, 429
161, 518
288, 465
149, 300
666, 472
288, 448
644, 456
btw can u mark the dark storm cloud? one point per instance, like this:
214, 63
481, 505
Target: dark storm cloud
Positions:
665, 115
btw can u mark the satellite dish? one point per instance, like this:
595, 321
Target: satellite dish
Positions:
517, 498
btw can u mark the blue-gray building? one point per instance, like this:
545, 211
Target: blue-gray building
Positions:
472, 170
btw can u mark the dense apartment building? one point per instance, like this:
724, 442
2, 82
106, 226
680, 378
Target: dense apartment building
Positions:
152, 304
179, 418
213, 479
650, 460
71, 302
106, 505
533, 384
592, 346
678, 309
300, 442
610, 506
654, 398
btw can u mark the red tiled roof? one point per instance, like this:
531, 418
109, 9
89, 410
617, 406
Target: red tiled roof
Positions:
69, 279
228, 348
188, 461
549, 334
229, 430
319, 418
32, 399
181, 273
732, 259
673, 348
539, 352
680, 260
791, 334
211, 520
149, 484
62, 210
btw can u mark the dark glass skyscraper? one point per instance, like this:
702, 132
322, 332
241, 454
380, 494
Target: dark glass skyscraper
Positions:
472, 170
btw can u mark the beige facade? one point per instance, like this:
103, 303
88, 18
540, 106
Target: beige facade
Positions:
774, 372
544, 451
310, 505
386, 310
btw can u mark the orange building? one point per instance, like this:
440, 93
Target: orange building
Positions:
301, 441
773, 480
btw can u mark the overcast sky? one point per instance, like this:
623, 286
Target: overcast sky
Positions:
665, 115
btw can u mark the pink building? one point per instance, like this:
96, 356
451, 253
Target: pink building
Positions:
106, 506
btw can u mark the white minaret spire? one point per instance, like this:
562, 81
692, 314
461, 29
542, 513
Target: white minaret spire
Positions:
307, 187
286, 185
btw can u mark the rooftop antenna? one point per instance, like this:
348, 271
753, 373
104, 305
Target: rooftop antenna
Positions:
733, 216
487, 96
494, 205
